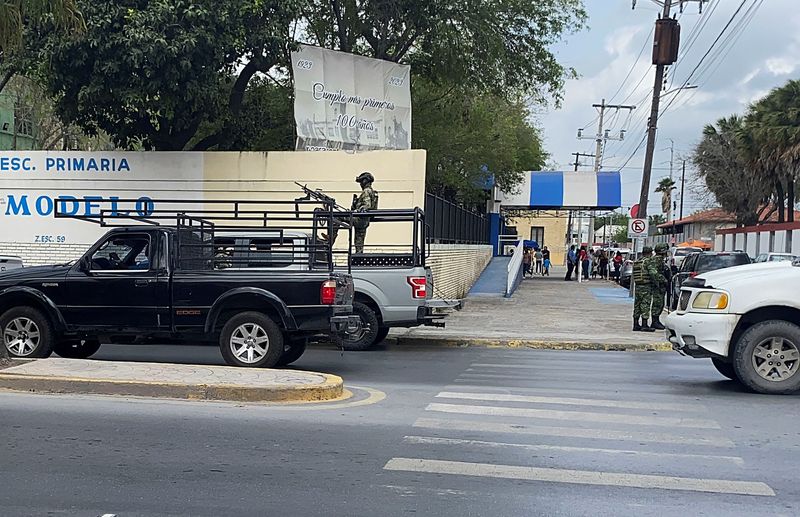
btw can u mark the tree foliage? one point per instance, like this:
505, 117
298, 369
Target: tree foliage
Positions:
150, 73
751, 163
470, 137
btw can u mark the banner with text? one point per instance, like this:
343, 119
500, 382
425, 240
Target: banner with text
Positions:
348, 102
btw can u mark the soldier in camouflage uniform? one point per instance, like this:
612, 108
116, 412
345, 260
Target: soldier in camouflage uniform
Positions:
367, 200
655, 269
643, 297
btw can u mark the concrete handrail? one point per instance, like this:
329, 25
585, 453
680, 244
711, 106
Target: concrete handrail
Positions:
515, 269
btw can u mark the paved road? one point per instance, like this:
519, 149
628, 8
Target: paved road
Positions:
462, 432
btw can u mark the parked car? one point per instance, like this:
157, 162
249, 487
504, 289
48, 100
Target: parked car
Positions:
626, 273
392, 289
775, 257
747, 320
140, 283
697, 263
9, 262
677, 255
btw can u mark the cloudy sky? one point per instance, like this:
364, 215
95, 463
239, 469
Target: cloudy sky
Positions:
759, 51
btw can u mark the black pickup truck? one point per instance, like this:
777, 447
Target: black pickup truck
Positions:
141, 283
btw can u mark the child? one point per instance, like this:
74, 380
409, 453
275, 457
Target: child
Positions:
546, 269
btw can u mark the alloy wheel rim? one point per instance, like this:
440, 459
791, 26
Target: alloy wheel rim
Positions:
249, 343
776, 359
21, 336
359, 334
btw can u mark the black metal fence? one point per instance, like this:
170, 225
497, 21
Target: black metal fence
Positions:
452, 224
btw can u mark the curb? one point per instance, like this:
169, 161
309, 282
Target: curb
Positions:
331, 389
454, 342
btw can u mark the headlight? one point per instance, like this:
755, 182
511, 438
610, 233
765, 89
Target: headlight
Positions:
711, 300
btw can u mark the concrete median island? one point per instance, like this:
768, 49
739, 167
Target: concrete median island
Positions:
162, 380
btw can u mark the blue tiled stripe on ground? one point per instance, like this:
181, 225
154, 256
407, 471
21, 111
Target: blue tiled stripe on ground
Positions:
611, 295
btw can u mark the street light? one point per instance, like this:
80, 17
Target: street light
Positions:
690, 87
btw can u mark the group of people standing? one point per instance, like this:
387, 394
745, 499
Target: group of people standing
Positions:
650, 282
592, 263
536, 262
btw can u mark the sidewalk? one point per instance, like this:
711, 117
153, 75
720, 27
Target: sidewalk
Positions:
545, 312
182, 381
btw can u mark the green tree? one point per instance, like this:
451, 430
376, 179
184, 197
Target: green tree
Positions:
665, 187
151, 73
722, 162
469, 137
17, 15
773, 124
503, 45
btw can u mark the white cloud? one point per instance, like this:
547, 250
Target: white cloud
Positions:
782, 65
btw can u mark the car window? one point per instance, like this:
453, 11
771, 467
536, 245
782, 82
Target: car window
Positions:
762, 258
688, 263
714, 262
270, 252
123, 253
780, 258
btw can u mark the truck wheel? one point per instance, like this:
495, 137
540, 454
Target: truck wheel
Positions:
364, 337
26, 333
292, 352
724, 368
251, 339
76, 348
382, 333
767, 357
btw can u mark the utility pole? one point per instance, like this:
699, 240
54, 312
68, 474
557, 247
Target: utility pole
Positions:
600, 139
683, 184
665, 52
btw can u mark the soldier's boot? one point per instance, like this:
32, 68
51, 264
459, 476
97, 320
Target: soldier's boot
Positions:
656, 324
646, 327
636, 326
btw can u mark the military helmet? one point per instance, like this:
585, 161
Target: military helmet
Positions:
365, 176
661, 248
647, 250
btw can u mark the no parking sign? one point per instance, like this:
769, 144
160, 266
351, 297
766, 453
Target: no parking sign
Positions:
638, 228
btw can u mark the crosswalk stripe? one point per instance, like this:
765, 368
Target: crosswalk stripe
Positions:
570, 432
573, 383
582, 477
431, 440
502, 397
582, 392
586, 416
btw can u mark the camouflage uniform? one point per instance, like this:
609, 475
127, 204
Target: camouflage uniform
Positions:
643, 296
367, 200
655, 270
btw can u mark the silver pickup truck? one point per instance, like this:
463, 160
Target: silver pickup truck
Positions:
393, 287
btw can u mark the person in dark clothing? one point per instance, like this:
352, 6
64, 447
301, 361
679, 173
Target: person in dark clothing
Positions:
572, 261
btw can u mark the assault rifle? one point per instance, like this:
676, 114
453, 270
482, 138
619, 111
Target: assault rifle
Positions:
320, 196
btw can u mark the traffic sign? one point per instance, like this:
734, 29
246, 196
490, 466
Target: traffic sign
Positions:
637, 228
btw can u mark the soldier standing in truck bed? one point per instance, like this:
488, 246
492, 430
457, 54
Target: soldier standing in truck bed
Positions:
367, 200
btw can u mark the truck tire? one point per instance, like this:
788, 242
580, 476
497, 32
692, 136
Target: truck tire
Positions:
251, 339
726, 369
767, 357
382, 333
292, 353
76, 348
26, 333
366, 335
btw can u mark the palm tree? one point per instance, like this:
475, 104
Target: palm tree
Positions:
774, 123
666, 186
15, 15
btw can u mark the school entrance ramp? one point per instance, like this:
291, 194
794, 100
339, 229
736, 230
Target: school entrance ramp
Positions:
492, 282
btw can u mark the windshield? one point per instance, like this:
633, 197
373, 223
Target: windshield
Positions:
713, 262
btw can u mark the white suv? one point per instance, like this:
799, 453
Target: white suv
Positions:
747, 320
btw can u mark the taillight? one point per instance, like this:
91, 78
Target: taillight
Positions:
327, 293
692, 274
419, 286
